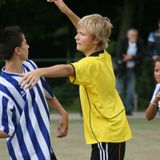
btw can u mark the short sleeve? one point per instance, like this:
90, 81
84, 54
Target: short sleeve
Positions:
47, 89
7, 116
151, 37
83, 72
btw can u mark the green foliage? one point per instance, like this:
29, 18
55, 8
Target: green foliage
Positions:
112, 47
145, 83
48, 30
45, 27
2, 2
67, 94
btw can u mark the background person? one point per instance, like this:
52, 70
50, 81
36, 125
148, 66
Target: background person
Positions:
154, 105
130, 52
154, 42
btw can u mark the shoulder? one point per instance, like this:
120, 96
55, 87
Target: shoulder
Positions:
85, 65
158, 86
84, 61
30, 64
151, 36
151, 33
91, 61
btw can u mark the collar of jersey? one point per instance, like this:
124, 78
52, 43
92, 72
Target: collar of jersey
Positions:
4, 73
95, 54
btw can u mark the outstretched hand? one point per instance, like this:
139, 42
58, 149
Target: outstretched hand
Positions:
60, 4
57, 2
66, 10
54, 1
29, 79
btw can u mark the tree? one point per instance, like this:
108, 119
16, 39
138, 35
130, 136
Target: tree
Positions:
49, 30
127, 16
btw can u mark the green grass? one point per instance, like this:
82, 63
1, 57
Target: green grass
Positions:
143, 146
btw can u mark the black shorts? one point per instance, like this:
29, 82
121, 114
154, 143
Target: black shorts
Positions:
108, 151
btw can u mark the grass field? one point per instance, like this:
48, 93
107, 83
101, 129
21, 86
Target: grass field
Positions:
144, 145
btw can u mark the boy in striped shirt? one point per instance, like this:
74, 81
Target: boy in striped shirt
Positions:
24, 114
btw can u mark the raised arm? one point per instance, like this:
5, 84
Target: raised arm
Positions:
66, 10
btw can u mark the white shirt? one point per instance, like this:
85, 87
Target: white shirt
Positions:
156, 90
132, 51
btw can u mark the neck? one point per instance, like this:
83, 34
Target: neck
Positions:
12, 66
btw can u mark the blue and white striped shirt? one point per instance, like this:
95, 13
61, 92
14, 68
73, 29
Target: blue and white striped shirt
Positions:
24, 116
156, 90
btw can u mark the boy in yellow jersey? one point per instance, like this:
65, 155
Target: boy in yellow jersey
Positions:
105, 123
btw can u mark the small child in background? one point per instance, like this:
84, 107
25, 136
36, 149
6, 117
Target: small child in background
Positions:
154, 105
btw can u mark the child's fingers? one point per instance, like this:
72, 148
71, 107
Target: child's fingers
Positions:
62, 130
23, 82
51, 1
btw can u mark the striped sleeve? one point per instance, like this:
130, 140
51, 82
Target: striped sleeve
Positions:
47, 89
7, 116
31, 65
157, 89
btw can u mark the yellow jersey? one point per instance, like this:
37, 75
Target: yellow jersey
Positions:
103, 111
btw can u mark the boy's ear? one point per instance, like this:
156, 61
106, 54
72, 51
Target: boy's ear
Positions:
17, 50
95, 41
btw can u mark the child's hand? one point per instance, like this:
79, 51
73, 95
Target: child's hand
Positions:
29, 79
54, 1
50, 1
59, 3
62, 129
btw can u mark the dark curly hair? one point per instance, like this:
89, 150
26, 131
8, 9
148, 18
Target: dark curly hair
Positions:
10, 38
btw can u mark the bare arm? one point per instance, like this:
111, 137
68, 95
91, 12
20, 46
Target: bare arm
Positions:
152, 108
62, 129
4, 135
66, 10
57, 71
151, 111
31, 78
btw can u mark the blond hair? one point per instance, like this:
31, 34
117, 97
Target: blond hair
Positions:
99, 27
